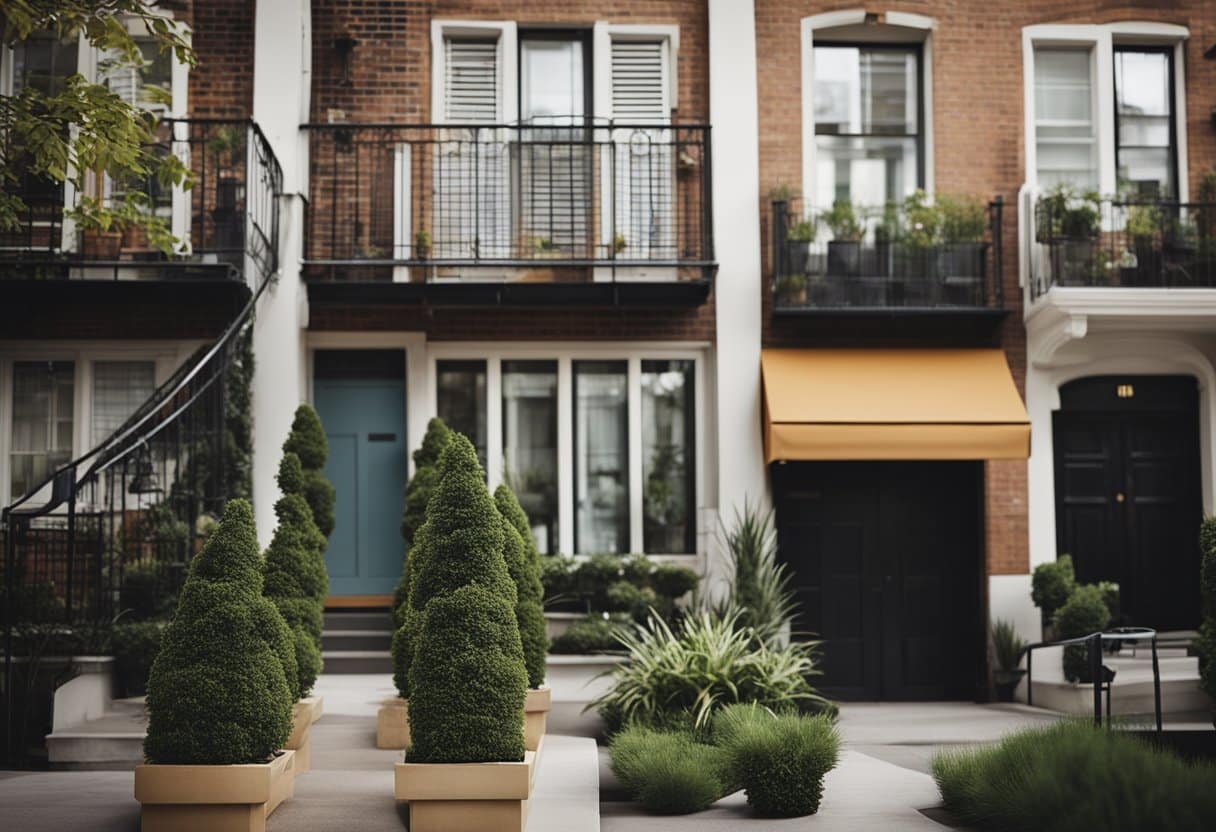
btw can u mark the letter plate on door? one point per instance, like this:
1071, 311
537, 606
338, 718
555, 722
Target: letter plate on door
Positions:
382, 437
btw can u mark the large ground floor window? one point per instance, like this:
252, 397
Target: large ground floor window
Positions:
601, 446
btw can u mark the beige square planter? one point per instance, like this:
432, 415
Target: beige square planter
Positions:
393, 723
212, 798
466, 797
317, 704
536, 713
301, 722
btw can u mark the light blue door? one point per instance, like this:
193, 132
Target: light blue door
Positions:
365, 423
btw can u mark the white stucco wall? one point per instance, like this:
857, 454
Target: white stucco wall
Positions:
280, 105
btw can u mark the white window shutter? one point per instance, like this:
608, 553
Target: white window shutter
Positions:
639, 88
470, 81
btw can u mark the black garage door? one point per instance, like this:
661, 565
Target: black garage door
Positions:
886, 561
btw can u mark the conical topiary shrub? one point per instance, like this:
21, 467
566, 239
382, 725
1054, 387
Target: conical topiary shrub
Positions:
307, 441
292, 480
417, 495
1207, 593
523, 563
291, 579
218, 694
407, 616
467, 681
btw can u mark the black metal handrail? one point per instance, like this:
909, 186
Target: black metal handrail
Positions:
1131, 243
1093, 643
227, 217
575, 202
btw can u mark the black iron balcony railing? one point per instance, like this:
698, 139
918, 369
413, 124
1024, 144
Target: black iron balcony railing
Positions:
576, 203
886, 268
226, 221
1089, 242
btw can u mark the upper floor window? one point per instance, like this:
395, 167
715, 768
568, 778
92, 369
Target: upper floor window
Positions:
1065, 138
1145, 151
868, 134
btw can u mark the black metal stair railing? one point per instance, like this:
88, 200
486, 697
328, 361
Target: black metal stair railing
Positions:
127, 516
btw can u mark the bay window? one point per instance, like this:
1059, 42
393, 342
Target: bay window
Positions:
599, 445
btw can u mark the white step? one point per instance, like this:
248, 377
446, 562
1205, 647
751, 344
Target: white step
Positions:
1131, 694
566, 793
113, 741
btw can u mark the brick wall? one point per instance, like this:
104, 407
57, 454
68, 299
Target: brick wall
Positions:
221, 84
978, 134
390, 81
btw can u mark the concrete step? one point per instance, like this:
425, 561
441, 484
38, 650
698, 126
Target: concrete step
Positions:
357, 661
359, 620
566, 792
1174, 666
113, 741
1131, 695
345, 640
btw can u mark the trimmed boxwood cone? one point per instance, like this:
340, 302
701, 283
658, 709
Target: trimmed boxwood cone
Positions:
467, 680
218, 694
291, 578
314, 576
307, 441
407, 617
523, 562
417, 495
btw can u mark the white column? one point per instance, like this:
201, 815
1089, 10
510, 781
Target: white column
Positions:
740, 471
280, 106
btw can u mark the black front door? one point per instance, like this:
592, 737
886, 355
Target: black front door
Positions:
885, 559
1128, 502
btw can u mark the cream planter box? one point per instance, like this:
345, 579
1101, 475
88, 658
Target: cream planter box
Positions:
466, 797
301, 721
393, 724
536, 712
204, 798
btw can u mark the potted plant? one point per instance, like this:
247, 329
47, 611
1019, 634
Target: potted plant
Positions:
791, 290
619, 244
467, 767
798, 241
1007, 647
844, 249
220, 695
1051, 584
963, 222
886, 234
523, 564
293, 580
422, 244
1068, 222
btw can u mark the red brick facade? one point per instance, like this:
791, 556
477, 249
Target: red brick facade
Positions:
221, 84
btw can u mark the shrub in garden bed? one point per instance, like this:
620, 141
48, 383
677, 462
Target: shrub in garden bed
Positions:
135, 645
218, 692
1072, 776
779, 759
669, 773
632, 584
1084, 613
593, 634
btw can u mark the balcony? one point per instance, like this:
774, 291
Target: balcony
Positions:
57, 278
510, 214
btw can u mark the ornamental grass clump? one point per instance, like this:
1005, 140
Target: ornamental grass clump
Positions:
1072, 776
307, 441
679, 677
220, 690
468, 681
778, 759
669, 773
523, 563
293, 578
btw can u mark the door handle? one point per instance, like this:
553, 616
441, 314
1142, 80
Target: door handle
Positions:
382, 437
1119, 497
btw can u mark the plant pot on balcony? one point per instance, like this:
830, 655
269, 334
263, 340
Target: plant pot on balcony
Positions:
536, 713
393, 723
466, 797
844, 258
1072, 261
96, 244
198, 798
1006, 683
799, 254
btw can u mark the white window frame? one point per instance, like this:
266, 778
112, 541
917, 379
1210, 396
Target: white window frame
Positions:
1101, 40
857, 17
167, 357
633, 354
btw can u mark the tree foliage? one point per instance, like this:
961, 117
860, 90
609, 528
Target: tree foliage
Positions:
79, 129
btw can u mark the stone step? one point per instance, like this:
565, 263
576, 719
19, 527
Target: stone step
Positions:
1131, 695
359, 620
357, 661
566, 792
114, 741
1174, 666
345, 640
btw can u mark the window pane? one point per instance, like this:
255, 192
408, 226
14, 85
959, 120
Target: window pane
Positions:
462, 400
601, 457
1143, 103
529, 443
667, 457
42, 421
551, 83
866, 90
1064, 122
119, 387
866, 170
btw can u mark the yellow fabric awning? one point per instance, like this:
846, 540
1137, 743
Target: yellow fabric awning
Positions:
922, 404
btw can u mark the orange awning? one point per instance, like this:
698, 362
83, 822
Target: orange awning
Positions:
920, 404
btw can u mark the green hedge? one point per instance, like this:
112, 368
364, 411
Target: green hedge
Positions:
632, 584
593, 634
307, 441
218, 692
1073, 776
135, 645
523, 564
1084, 613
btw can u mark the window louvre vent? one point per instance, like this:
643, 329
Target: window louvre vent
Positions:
471, 82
